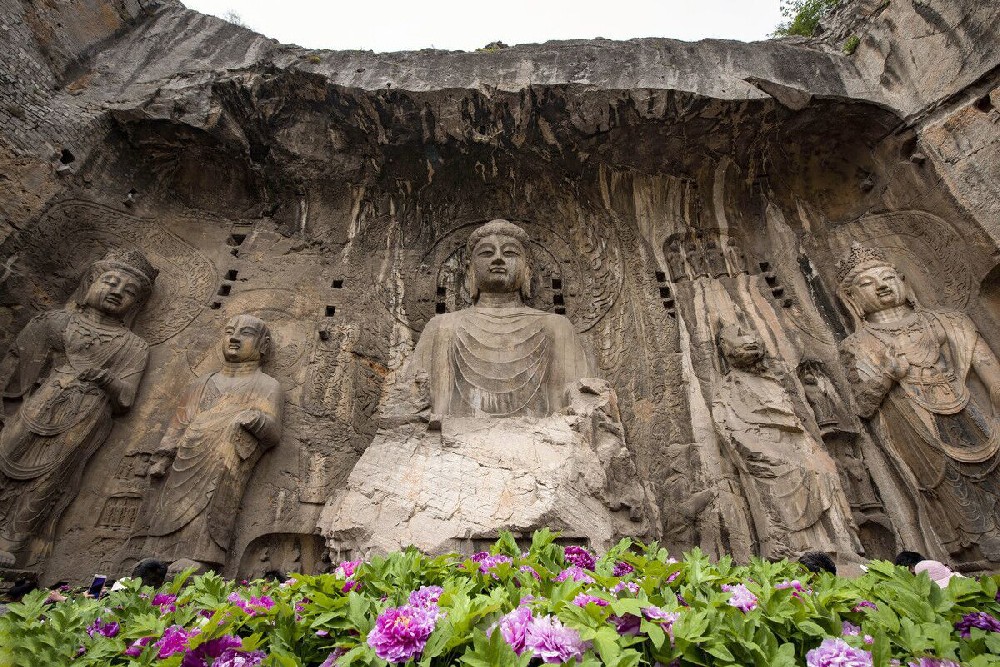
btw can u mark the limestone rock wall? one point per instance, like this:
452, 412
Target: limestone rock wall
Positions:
330, 193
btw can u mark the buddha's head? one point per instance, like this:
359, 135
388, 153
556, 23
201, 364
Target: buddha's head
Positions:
499, 261
869, 283
741, 346
118, 284
246, 338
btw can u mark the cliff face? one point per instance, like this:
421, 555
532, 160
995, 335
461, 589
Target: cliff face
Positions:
330, 193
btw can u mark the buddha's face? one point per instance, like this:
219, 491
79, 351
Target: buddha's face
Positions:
498, 263
878, 289
242, 340
114, 293
742, 347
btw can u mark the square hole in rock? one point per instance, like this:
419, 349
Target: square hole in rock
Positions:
224, 290
557, 283
337, 284
215, 305
440, 308
661, 277
331, 311
558, 300
237, 239
560, 310
664, 292
231, 274
442, 290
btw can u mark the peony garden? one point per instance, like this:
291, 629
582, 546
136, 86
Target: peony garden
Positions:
635, 605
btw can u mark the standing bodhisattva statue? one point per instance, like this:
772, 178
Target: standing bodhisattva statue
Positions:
72, 368
909, 368
224, 423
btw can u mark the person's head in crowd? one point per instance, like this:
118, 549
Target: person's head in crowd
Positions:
152, 572
275, 575
817, 561
22, 586
908, 559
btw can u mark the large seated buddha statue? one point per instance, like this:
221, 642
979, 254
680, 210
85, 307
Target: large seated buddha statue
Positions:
494, 424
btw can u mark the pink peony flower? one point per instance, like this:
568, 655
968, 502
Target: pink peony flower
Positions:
622, 568
665, 618
549, 640
514, 628
233, 658
864, 604
582, 600
426, 596
347, 568
580, 557
848, 629
575, 573
174, 640
135, 648
978, 619
165, 602
838, 653
627, 624
109, 629
207, 653
741, 597
253, 606
400, 633
528, 568
489, 562
629, 586
673, 577
933, 662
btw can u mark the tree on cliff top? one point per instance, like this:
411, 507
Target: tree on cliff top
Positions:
802, 16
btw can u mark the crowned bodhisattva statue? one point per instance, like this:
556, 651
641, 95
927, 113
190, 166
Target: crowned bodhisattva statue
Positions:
910, 369
224, 423
496, 404
69, 371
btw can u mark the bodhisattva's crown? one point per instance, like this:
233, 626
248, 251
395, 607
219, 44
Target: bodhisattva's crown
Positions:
859, 258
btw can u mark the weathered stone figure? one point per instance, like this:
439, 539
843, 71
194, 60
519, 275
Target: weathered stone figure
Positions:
791, 483
910, 369
224, 422
499, 357
72, 368
495, 404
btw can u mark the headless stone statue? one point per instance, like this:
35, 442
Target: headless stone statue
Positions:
497, 404
224, 423
792, 485
909, 369
72, 369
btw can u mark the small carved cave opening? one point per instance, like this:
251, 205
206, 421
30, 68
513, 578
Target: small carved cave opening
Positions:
231, 274
236, 239
337, 284
224, 290
984, 104
330, 311
66, 156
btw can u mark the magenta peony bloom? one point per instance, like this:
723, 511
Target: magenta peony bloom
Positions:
864, 604
135, 648
528, 568
741, 597
978, 619
622, 568
627, 624
489, 562
582, 600
253, 606
629, 586
233, 658
426, 596
331, 659
174, 640
549, 640
514, 628
794, 583
848, 629
207, 653
933, 662
347, 568
665, 618
400, 633
480, 556
109, 629
165, 602
580, 557
838, 653
575, 573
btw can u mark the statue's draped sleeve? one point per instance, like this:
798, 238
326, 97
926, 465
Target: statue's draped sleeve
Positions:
869, 383
31, 353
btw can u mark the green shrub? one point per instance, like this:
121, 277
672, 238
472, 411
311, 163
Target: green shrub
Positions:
633, 606
851, 44
802, 17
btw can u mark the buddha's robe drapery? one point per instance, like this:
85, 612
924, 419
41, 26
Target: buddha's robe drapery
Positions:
502, 362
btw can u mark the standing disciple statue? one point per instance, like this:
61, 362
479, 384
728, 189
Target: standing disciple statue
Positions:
796, 501
224, 423
910, 368
72, 369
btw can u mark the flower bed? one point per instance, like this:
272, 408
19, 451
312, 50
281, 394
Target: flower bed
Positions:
632, 606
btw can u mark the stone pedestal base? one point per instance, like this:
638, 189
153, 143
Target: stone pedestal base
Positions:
442, 490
